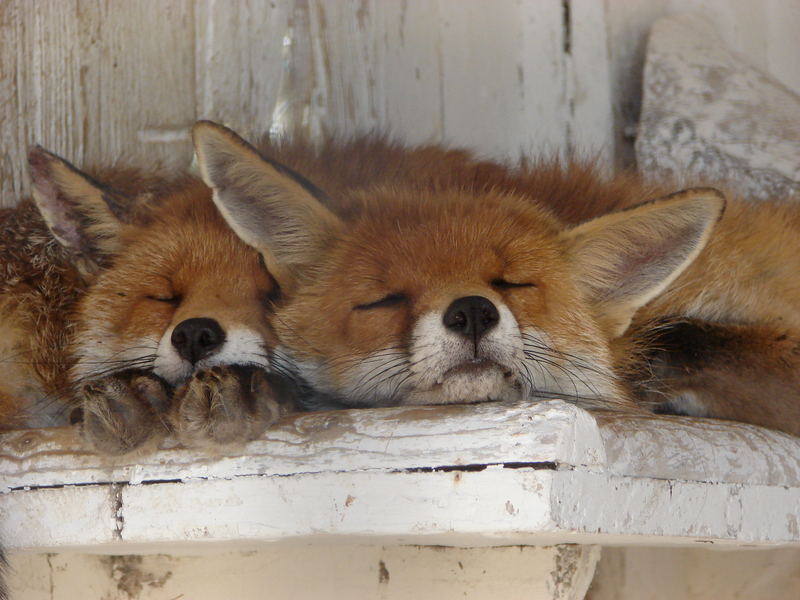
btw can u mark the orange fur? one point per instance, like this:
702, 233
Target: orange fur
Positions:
87, 322
418, 228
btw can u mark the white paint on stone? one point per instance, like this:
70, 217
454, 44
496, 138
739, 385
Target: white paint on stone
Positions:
710, 116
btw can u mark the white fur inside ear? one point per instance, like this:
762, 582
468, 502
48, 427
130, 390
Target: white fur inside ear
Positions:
54, 212
625, 259
268, 206
74, 208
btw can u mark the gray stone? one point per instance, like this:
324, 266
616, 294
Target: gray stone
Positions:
708, 116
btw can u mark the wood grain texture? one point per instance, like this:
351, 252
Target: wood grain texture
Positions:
93, 81
479, 475
246, 63
696, 574
107, 80
311, 573
421, 438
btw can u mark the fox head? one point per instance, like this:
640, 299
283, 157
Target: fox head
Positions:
170, 288
426, 296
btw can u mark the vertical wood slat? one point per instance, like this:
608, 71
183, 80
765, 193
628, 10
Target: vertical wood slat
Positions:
627, 26
486, 75
138, 80
240, 60
106, 80
340, 67
27, 76
10, 136
503, 76
95, 81
589, 73
378, 68
409, 74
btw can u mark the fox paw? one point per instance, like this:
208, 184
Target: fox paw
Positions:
224, 405
123, 411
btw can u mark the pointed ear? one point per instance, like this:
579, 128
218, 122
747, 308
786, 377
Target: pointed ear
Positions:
80, 212
626, 258
269, 206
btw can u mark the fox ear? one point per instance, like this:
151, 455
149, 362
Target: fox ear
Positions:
80, 212
626, 258
269, 206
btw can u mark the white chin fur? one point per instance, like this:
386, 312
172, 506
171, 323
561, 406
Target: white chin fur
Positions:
440, 368
486, 385
424, 374
241, 347
435, 351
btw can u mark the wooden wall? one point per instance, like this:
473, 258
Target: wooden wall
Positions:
109, 80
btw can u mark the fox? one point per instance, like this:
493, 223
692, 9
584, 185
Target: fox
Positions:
131, 306
425, 275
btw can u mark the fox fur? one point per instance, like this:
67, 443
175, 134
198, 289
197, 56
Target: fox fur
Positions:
424, 275
99, 281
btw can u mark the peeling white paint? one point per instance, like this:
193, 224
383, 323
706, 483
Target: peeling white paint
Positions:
481, 475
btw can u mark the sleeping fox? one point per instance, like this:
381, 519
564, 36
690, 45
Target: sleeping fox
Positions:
424, 276
133, 301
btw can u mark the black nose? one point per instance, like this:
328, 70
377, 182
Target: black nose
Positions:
471, 316
195, 339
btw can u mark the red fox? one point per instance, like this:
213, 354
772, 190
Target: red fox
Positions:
424, 276
112, 296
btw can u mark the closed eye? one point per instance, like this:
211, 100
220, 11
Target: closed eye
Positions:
174, 300
502, 284
390, 300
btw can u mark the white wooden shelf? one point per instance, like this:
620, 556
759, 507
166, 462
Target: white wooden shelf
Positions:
483, 475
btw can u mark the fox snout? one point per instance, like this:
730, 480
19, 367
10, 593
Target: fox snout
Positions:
198, 338
471, 317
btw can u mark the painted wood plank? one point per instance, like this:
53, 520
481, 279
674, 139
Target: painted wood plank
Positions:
494, 507
310, 573
53, 517
590, 129
783, 43
480, 475
503, 77
628, 25
82, 79
344, 36
342, 67
252, 64
91, 86
378, 68
11, 138
408, 70
702, 450
136, 81
418, 438
696, 574
31, 70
